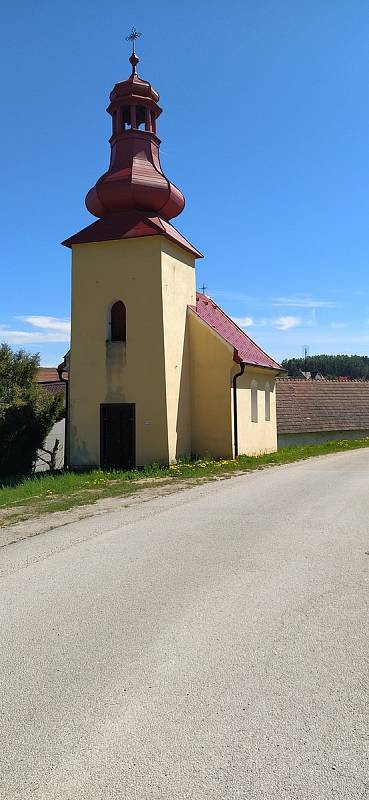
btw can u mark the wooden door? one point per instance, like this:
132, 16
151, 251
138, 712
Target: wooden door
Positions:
117, 431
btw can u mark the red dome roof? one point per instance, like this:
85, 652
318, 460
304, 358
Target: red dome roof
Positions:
134, 86
135, 180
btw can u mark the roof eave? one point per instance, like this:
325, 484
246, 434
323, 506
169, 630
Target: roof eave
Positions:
238, 360
101, 231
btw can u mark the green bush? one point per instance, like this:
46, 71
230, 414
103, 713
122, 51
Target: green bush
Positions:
27, 412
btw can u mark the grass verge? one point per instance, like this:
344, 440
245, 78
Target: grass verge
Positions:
23, 498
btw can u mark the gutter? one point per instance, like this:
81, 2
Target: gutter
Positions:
235, 418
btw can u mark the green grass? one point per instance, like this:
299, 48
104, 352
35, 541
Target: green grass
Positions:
23, 498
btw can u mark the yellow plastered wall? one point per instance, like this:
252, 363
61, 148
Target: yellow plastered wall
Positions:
258, 437
178, 292
138, 272
211, 364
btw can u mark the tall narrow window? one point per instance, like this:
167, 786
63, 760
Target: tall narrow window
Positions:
254, 401
267, 402
118, 322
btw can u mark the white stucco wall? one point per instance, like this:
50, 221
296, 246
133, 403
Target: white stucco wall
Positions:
57, 432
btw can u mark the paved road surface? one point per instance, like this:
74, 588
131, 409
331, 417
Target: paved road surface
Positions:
207, 644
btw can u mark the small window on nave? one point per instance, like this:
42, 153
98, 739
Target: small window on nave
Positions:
267, 402
254, 401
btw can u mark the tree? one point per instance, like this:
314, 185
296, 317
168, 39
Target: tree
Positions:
355, 367
27, 412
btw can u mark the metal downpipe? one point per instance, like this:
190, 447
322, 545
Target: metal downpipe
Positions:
235, 419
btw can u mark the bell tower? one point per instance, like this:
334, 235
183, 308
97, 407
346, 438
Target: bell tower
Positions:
133, 279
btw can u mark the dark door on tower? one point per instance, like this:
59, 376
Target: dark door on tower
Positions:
118, 435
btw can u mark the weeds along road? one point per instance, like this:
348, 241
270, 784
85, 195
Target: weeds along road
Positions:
210, 643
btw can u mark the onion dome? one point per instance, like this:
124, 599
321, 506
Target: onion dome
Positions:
135, 180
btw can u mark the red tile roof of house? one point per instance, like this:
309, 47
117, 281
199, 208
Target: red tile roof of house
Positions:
48, 379
47, 375
311, 406
245, 349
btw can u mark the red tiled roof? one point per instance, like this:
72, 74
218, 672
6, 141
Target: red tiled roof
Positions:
311, 406
53, 388
245, 350
47, 375
48, 379
130, 225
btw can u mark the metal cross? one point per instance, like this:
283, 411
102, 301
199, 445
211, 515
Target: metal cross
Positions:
202, 288
132, 38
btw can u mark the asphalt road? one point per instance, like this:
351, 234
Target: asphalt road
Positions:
211, 643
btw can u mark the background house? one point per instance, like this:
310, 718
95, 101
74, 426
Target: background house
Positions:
318, 411
48, 379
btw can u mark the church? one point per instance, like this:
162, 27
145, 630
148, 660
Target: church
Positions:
157, 371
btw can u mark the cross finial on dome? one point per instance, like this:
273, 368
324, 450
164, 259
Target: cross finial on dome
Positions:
133, 58
132, 38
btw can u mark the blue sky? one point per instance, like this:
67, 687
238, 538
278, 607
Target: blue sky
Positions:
265, 129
